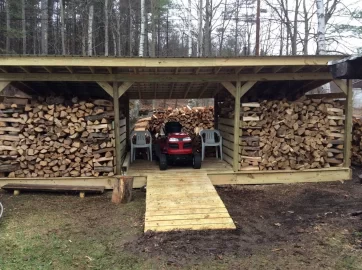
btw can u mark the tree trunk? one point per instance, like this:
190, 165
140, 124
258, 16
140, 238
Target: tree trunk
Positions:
130, 28
295, 28
153, 29
321, 39
7, 7
44, 27
62, 26
189, 30
106, 30
23, 23
90, 29
306, 29
207, 29
200, 29
143, 29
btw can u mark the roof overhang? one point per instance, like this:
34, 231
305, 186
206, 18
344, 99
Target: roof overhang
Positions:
347, 68
154, 78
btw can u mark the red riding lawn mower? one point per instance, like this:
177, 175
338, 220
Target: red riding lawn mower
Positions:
175, 147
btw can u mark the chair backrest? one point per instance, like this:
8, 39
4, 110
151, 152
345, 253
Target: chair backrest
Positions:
209, 135
140, 137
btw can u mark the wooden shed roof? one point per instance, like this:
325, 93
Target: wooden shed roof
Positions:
159, 78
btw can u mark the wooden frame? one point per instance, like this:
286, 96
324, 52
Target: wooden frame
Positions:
347, 152
162, 62
164, 78
3, 85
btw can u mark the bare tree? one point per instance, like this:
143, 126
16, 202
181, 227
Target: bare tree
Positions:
200, 35
321, 38
106, 28
143, 29
90, 29
23, 24
62, 26
44, 26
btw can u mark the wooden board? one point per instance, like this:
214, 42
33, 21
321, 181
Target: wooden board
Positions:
10, 186
197, 206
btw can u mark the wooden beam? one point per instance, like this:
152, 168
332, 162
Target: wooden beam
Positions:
176, 70
106, 87
230, 87
25, 69
348, 125
197, 70
342, 84
204, 88
246, 87
217, 70
70, 69
92, 69
280, 177
3, 69
237, 127
187, 90
48, 69
164, 78
171, 91
237, 70
126, 108
297, 68
110, 70
164, 62
117, 129
258, 69
3, 85
327, 95
277, 69
124, 87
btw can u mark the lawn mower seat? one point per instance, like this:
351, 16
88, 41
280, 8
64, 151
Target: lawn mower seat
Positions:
172, 127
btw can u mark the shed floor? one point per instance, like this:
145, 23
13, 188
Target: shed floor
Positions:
184, 201
142, 167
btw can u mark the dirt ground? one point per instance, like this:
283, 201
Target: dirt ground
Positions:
297, 226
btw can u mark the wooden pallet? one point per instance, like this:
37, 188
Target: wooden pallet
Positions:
186, 201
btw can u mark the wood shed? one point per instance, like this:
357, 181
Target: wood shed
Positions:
249, 93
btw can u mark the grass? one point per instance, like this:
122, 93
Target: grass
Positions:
63, 232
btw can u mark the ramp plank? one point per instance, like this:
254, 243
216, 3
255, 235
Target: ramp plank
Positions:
184, 201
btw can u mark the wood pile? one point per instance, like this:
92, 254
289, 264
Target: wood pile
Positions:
357, 142
193, 120
12, 120
70, 140
250, 127
300, 135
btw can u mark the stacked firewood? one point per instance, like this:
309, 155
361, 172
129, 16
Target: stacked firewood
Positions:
67, 141
193, 120
357, 142
298, 135
335, 135
250, 140
12, 119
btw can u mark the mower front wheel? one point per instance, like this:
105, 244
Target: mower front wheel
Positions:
197, 161
163, 162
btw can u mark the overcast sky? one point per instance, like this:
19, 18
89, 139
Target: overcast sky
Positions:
347, 45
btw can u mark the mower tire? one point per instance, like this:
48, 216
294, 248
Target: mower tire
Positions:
163, 162
197, 161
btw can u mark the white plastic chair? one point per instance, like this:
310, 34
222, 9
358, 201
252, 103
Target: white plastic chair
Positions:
210, 140
141, 142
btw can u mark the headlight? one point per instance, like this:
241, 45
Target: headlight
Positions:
187, 139
173, 140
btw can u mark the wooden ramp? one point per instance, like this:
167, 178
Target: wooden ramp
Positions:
184, 201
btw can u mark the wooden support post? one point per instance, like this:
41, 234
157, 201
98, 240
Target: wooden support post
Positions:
3, 85
126, 108
348, 125
216, 112
122, 190
237, 127
117, 128
82, 194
